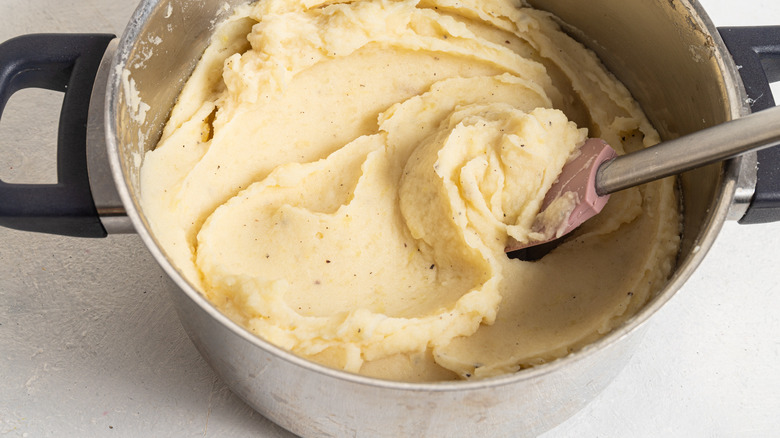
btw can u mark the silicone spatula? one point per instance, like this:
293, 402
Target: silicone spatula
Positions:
598, 171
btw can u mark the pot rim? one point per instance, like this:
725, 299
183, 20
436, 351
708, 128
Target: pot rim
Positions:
732, 175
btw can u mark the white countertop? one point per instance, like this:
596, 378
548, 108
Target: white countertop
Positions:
91, 346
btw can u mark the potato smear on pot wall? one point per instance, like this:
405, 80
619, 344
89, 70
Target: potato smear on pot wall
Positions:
341, 178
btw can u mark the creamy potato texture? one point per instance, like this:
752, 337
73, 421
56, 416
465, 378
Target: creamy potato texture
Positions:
341, 178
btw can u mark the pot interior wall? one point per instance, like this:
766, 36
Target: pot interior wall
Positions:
157, 54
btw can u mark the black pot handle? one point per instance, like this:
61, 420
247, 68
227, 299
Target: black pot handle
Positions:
756, 52
67, 63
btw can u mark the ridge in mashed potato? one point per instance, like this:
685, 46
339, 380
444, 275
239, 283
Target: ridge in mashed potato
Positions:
341, 178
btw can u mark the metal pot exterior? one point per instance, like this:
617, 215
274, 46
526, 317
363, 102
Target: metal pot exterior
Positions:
314, 401
667, 53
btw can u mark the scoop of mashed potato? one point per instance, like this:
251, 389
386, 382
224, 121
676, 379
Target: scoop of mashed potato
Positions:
341, 178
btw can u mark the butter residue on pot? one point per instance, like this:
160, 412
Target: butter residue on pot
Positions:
341, 179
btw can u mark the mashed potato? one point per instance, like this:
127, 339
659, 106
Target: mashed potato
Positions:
341, 178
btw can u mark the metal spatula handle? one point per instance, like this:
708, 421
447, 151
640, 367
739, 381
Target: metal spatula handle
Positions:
727, 140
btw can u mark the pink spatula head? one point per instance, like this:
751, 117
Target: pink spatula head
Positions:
577, 184
584, 177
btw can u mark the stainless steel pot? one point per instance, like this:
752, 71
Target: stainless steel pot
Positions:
672, 59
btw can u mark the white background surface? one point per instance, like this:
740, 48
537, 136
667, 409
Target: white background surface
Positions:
90, 345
